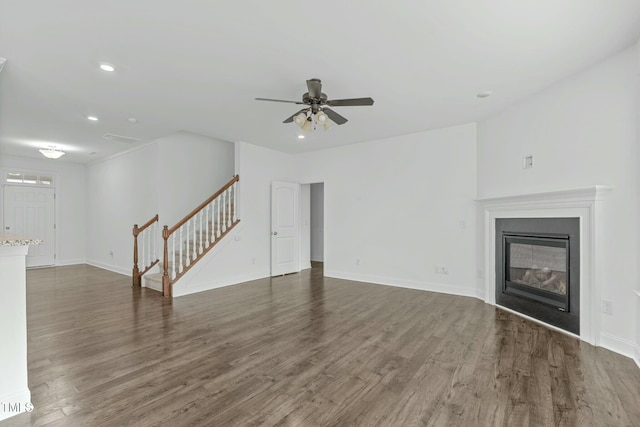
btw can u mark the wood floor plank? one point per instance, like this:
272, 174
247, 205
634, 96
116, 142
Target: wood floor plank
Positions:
304, 350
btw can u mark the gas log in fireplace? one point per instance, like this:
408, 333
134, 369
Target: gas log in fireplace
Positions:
538, 269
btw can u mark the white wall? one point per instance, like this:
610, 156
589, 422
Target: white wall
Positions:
122, 191
394, 209
14, 386
245, 254
168, 177
581, 132
191, 168
317, 222
70, 184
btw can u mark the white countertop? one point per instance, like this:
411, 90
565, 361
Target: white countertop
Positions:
8, 239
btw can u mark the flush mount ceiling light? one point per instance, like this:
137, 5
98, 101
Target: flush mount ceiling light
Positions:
300, 136
107, 67
52, 152
485, 94
92, 118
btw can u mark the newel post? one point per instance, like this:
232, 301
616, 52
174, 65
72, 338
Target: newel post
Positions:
166, 283
136, 272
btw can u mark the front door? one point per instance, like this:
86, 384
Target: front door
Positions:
285, 233
29, 212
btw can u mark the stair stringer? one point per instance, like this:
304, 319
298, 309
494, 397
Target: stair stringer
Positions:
213, 271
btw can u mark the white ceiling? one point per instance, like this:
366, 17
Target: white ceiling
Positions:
197, 65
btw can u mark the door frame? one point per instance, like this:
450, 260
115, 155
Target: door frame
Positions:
4, 170
297, 227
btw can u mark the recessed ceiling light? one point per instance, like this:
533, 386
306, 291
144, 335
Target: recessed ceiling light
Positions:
485, 94
300, 136
92, 118
107, 67
132, 120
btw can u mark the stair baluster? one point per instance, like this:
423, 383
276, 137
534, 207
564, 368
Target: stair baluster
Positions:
234, 186
206, 225
147, 234
181, 258
218, 228
215, 218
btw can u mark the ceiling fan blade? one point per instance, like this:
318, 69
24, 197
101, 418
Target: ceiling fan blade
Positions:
337, 118
315, 88
350, 102
290, 119
279, 100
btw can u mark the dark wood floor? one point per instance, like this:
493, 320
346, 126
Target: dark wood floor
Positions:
304, 350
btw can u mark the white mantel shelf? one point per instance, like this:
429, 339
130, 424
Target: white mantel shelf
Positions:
583, 203
586, 193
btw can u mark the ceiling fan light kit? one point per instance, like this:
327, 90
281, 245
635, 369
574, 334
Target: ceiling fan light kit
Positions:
317, 112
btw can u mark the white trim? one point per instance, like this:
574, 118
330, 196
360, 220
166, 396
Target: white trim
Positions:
22, 396
121, 153
637, 355
203, 286
64, 262
110, 267
620, 346
583, 203
539, 322
403, 283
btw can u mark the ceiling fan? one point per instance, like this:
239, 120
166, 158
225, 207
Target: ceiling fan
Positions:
318, 111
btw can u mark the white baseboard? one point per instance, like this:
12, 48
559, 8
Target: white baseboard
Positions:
403, 283
193, 288
15, 403
637, 355
317, 260
63, 262
114, 268
617, 345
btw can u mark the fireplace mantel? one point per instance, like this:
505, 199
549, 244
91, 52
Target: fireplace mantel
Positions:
583, 203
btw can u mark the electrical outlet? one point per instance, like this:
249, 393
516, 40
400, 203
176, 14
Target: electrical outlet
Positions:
527, 162
607, 307
357, 261
441, 269
111, 253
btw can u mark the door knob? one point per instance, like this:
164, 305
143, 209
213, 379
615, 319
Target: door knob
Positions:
275, 233
7, 228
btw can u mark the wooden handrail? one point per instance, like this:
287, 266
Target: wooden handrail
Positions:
203, 204
137, 230
136, 275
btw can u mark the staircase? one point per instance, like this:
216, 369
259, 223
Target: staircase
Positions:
191, 238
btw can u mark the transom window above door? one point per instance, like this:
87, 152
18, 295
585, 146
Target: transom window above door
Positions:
28, 178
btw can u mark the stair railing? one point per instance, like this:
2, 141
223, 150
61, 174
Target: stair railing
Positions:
148, 235
194, 235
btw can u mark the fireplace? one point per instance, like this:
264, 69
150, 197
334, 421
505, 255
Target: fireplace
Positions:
537, 269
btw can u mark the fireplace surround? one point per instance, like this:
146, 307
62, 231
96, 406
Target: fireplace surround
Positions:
537, 266
586, 204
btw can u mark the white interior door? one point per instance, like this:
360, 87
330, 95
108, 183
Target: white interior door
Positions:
285, 230
29, 212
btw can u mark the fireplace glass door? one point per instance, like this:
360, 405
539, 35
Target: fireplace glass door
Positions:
537, 268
